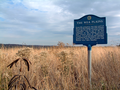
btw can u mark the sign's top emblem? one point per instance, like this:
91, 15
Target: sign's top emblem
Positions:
89, 17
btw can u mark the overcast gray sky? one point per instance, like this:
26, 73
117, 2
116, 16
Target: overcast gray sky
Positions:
45, 22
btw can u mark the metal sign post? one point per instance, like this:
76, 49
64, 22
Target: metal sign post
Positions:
89, 63
90, 30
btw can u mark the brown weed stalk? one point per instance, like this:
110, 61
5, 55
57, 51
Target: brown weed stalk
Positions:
23, 85
24, 59
20, 81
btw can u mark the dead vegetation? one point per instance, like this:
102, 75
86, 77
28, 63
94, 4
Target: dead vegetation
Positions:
60, 68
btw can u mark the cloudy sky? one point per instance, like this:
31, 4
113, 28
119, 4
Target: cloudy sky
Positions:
45, 22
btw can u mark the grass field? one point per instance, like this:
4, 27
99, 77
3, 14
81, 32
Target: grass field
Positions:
62, 68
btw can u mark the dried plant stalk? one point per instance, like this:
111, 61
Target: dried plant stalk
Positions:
24, 59
12, 83
19, 79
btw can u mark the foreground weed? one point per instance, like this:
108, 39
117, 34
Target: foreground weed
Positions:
20, 81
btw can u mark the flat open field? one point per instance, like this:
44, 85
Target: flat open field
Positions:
59, 68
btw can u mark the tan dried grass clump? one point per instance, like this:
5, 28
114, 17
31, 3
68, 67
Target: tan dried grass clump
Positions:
25, 52
0, 54
63, 56
66, 62
42, 62
66, 56
41, 57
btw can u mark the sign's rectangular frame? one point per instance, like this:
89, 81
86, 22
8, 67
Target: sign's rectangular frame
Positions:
90, 20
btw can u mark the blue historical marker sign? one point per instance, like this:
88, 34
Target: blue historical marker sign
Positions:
90, 30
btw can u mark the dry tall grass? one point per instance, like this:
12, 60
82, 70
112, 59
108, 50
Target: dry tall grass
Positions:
65, 68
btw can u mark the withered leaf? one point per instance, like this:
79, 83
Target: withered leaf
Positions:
13, 63
26, 61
